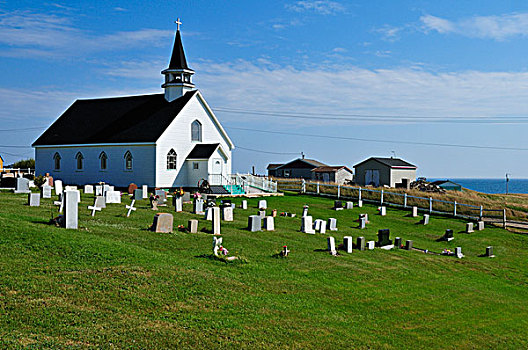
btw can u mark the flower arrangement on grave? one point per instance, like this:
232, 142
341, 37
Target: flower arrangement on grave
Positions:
223, 251
179, 193
447, 252
197, 195
285, 251
182, 228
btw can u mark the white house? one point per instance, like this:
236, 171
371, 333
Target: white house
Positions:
161, 140
378, 171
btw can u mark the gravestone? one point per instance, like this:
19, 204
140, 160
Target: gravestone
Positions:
88, 189
383, 238
100, 202
263, 204
307, 225
130, 207
274, 213
58, 187
98, 190
322, 229
489, 252
192, 226
305, 210
71, 210
162, 223
364, 216
458, 252
244, 204
186, 197
397, 242
254, 223
317, 224
285, 251
217, 244
362, 223
46, 191
144, 189
383, 211
178, 204
94, 208
34, 199
198, 206
480, 225
269, 223
360, 203
131, 188
347, 243
414, 212
360, 243
70, 188
332, 224
208, 215
113, 197
162, 196
448, 235
408, 244
227, 213
425, 220
262, 213
138, 194
330, 242
371, 245
469, 227
338, 205
215, 218
350, 205
78, 195
22, 185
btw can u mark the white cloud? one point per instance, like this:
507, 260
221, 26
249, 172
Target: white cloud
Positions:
339, 49
27, 34
390, 33
318, 6
498, 28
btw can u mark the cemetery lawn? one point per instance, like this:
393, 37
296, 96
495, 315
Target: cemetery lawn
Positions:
113, 283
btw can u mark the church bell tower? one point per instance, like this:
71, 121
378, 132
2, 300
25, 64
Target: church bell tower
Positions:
178, 76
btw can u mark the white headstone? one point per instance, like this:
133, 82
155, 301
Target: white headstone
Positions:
347, 243
269, 223
46, 191
254, 223
178, 204
263, 204
425, 220
98, 190
307, 225
70, 188
227, 213
215, 218
34, 199
305, 211
145, 191
469, 227
58, 187
371, 245
322, 229
362, 223
208, 214
71, 210
88, 189
458, 252
113, 197
244, 204
22, 185
317, 224
480, 225
332, 224
360, 203
330, 241
414, 212
349, 205
383, 211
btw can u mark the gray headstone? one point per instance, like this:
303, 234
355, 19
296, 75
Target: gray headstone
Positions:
46, 191
360, 243
448, 235
71, 210
480, 225
192, 226
162, 223
425, 220
98, 190
162, 195
362, 223
269, 223
34, 199
144, 188
469, 227
408, 244
244, 204
350, 205
414, 212
263, 204
215, 214
113, 197
347, 243
178, 204
22, 185
330, 242
138, 194
88, 189
322, 229
58, 187
254, 223
198, 206
332, 224
186, 197
338, 205
227, 213
383, 238
100, 202
307, 225
397, 242
489, 252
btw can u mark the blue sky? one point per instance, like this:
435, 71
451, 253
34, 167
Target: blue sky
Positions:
417, 75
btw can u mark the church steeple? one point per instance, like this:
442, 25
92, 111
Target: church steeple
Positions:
178, 76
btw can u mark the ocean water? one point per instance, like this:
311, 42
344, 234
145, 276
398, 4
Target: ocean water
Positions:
492, 185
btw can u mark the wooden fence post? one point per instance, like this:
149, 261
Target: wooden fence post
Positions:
317, 187
405, 200
338, 191
381, 202
481, 211
430, 205
504, 218
359, 197
454, 210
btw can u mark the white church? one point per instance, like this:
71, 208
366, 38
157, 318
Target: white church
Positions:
162, 140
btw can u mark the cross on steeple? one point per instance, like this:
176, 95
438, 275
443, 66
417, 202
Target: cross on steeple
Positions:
178, 23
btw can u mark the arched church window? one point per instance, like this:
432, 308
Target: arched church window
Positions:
196, 131
172, 158
79, 157
57, 160
103, 158
128, 160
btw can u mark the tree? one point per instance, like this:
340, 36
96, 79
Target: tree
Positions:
24, 164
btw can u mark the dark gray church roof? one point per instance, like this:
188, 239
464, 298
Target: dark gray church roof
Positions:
203, 151
128, 119
178, 60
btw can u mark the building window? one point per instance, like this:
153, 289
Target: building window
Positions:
57, 161
196, 165
172, 158
79, 158
196, 131
103, 161
128, 160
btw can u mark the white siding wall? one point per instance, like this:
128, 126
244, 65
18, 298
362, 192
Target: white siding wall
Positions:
142, 173
178, 137
398, 174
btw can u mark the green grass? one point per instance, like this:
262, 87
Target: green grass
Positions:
113, 283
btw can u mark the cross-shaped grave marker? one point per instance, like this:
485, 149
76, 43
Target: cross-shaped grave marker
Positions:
94, 208
131, 207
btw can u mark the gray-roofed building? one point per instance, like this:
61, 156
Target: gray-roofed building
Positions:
338, 174
297, 168
378, 171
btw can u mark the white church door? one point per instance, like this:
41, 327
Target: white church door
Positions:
216, 172
372, 177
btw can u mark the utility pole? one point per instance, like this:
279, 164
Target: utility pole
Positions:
507, 180
302, 155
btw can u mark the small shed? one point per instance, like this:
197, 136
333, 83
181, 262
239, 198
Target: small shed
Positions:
378, 171
448, 185
272, 168
337, 174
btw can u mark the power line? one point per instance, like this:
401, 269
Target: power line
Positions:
16, 146
383, 141
24, 129
269, 152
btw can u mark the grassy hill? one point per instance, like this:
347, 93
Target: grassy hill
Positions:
113, 283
